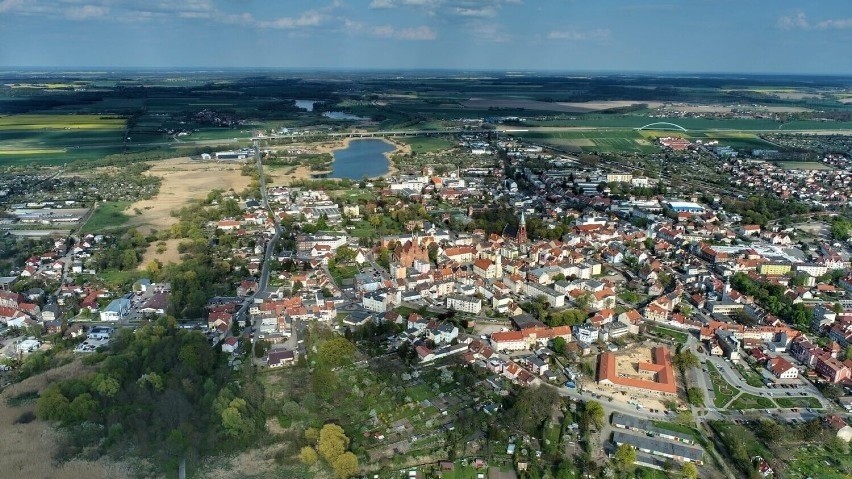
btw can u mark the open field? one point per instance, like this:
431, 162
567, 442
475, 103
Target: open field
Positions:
59, 122
184, 179
107, 216
804, 165
55, 138
170, 255
420, 145
30, 448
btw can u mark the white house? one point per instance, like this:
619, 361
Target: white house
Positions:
464, 304
116, 310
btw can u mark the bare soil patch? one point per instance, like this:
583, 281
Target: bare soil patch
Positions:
170, 255
29, 448
184, 179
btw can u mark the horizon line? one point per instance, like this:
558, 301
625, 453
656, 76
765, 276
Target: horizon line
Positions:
108, 69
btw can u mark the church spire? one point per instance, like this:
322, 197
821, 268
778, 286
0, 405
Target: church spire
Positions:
522, 229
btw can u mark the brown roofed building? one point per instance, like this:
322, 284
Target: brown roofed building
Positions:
664, 379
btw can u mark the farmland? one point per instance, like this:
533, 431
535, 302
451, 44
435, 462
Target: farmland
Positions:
55, 138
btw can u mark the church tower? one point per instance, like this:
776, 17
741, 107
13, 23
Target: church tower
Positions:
522, 229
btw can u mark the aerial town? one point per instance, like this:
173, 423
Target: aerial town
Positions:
469, 296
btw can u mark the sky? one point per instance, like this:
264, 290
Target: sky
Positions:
713, 36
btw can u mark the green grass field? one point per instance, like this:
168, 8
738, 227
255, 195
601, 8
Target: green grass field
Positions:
722, 391
750, 401
804, 165
427, 144
108, 216
673, 334
751, 377
801, 401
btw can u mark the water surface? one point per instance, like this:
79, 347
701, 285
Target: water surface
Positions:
362, 158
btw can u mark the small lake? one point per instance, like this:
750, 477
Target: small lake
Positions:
307, 105
339, 115
362, 158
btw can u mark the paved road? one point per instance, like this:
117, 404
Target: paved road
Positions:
269, 250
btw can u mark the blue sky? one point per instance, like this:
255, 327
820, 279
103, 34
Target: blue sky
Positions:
772, 36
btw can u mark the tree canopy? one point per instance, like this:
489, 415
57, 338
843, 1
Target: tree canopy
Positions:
160, 386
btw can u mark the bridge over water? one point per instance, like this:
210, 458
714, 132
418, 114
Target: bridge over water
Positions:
371, 134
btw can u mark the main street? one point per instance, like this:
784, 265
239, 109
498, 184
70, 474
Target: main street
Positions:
268, 251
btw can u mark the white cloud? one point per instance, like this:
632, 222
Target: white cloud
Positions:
576, 35
86, 12
799, 21
11, 5
414, 33
835, 24
311, 18
481, 12
795, 21
382, 4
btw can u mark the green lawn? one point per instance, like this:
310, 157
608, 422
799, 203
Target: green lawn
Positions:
750, 401
108, 215
752, 378
427, 144
801, 401
673, 334
420, 392
119, 277
671, 426
722, 391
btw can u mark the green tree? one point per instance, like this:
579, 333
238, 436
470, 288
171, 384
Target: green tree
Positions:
689, 471
336, 352
82, 408
323, 382
569, 317
308, 455
769, 431
593, 414
559, 345
344, 255
686, 359
52, 405
345, 465
624, 457
532, 407
695, 396
332, 442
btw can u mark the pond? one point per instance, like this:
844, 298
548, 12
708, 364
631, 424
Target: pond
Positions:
362, 158
307, 105
339, 115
